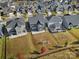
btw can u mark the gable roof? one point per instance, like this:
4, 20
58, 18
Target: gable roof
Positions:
60, 8
55, 19
67, 6
1, 33
77, 5
12, 22
42, 19
35, 19
74, 19
32, 20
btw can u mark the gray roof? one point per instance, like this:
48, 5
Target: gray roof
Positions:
66, 6
1, 26
77, 5
32, 20
74, 19
55, 19
60, 8
3, 4
11, 23
42, 19
35, 19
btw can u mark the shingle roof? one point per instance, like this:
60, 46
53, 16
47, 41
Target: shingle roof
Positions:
74, 19
55, 19
12, 22
60, 8
34, 20
77, 5
42, 19
66, 6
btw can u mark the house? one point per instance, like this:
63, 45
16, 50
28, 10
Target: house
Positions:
65, 1
12, 31
67, 7
71, 21
77, 1
37, 23
60, 10
3, 3
53, 5
15, 26
55, 24
1, 33
27, 26
77, 7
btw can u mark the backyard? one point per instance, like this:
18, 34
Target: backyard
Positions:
28, 44
44, 39
63, 37
75, 32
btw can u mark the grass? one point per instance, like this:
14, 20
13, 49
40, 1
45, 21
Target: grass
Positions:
29, 43
63, 37
65, 12
19, 45
46, 36
25, 17
54, 13
75, 32
61, 55
1, 47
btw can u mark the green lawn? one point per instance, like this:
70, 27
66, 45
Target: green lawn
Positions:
75, 32
63, 37
1, 48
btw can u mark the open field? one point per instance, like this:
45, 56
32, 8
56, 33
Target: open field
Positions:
75, 32
63, 37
